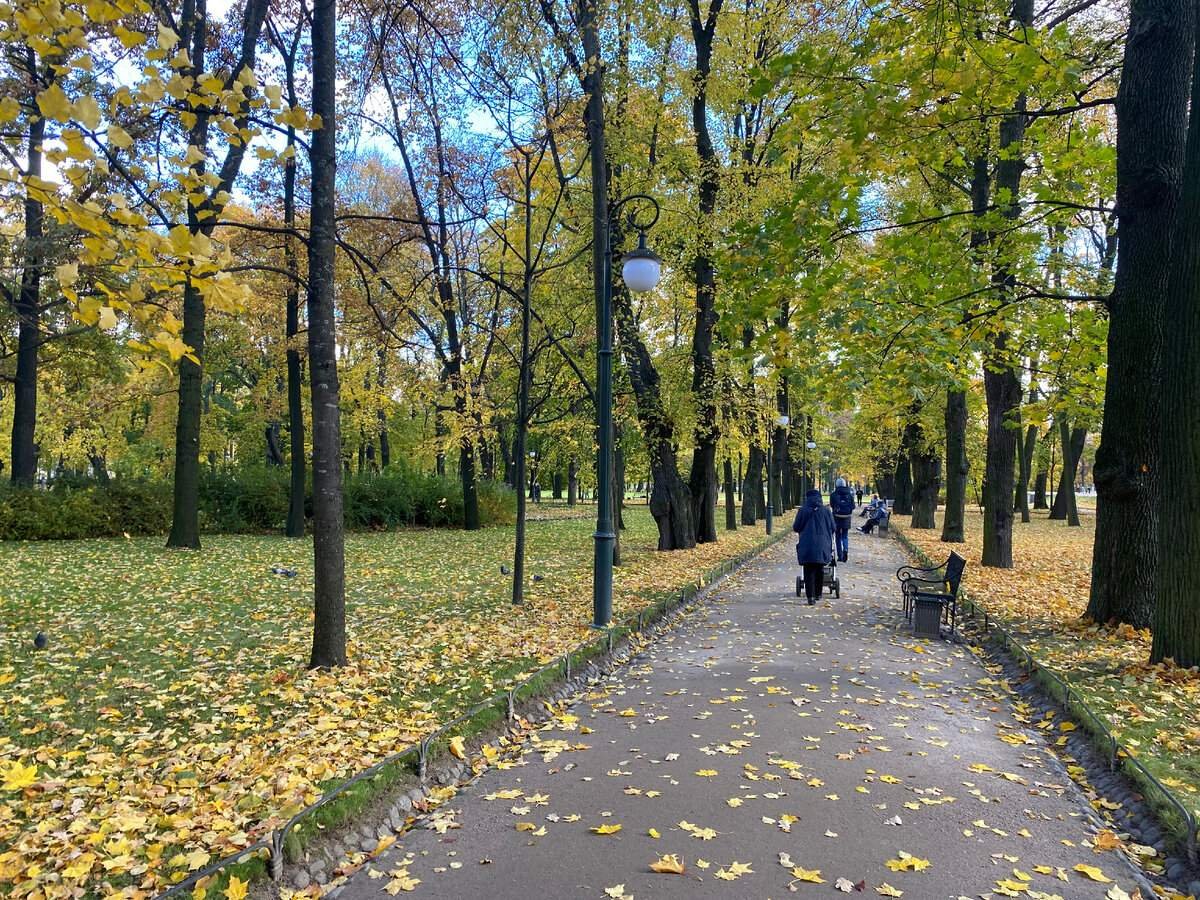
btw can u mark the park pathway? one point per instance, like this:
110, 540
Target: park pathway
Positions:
760, 730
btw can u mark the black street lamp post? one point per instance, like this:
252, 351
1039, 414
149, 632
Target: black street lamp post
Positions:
640, 270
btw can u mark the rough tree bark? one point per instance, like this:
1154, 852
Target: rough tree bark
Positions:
1001, 385
1025, 451
902, 479
1151, 111
730, 504
202, 219
957, 467
926, 477
1071, 440
752, 506
1177, 610
27, 306
329, 596
703, 479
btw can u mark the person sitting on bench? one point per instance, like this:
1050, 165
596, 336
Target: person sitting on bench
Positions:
878, 512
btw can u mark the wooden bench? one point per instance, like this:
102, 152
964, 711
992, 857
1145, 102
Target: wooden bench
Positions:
939, 584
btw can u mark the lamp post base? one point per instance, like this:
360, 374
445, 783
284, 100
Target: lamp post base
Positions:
602, 573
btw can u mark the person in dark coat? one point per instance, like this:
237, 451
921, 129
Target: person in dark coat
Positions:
814, 548
841, 501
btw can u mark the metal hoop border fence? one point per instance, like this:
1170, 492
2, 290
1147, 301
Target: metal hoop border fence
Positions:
273, 843
1116, 755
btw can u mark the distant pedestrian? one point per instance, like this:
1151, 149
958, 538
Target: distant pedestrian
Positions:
814, 548
858, 495
841, 501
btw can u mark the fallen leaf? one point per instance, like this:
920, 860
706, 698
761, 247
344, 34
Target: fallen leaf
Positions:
670, 864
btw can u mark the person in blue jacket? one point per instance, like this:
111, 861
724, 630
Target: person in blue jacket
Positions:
814, 549
841, 501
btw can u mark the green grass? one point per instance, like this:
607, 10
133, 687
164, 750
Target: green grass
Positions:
172, 705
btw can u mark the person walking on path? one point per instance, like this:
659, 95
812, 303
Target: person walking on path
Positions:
814, 549
858, 494
841, 501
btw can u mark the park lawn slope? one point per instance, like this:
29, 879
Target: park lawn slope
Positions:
1152, 710
171, 719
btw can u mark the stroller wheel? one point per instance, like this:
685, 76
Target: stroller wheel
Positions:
837, 589
799, 585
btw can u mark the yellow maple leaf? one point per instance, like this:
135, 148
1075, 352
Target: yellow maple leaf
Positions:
669, 864
1092, 872
706, 773
886, 890
456, 747
54, 104
812, 876
605, 829
236, 889
18, 777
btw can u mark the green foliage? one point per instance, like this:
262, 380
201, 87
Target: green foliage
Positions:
237, 501
403, 497
84, 510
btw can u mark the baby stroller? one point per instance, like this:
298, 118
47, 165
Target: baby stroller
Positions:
829, 580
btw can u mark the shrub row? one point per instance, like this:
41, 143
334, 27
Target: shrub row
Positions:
251, 500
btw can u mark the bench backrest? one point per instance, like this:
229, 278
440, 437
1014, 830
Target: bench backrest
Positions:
955, 566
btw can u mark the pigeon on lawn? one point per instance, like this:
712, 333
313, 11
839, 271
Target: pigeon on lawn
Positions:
40, 640
281, 570
504, 570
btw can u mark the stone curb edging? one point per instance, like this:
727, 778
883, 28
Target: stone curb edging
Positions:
272, 846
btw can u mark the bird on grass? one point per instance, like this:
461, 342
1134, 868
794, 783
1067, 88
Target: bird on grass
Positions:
281, 570
40, 641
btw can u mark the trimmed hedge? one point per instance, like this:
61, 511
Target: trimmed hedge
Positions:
251, 500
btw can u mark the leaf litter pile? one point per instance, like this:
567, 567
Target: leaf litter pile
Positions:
1153, 710
170, 721
767, 748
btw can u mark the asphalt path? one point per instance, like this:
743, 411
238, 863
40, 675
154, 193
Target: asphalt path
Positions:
774, 749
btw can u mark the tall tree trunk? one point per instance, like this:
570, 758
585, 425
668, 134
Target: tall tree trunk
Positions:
1177, 610
274, 453
185, 515
781, 445
957, 467
670, 495
385, 440
185, 512
295, 367
28, 306
703, 479
1151, 111
1001, 386
1072, 441
572, 482
926, 476
730, 504
902, 480
752, 487
202, 218
1003, 391
329, 596
1025, 451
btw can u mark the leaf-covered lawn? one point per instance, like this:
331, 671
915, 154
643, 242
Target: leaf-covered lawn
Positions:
1153, 710
171, 720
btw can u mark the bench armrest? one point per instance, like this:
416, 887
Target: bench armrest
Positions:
904, 573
